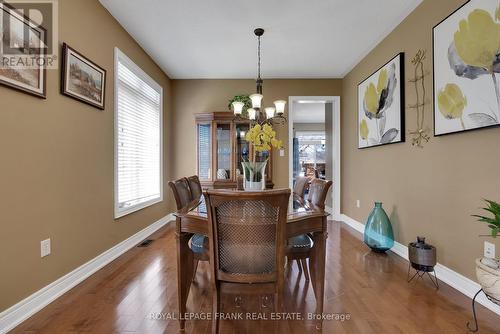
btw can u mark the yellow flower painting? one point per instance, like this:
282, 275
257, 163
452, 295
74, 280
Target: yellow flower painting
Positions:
363, 130
452, 102
466, 63
380, 106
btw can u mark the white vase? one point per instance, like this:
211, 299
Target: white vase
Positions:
489, 279
254, 177
254, 186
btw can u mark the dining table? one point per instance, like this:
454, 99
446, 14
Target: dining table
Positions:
303, 217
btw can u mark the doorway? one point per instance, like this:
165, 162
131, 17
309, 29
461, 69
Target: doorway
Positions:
314, 143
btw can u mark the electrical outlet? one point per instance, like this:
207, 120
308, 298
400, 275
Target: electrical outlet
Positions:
282, 153
45, 247
358, 203
489, 250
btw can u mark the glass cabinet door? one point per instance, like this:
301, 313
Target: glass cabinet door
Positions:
242, 147
223, 156
204, 151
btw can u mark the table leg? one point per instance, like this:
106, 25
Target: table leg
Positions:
318, 257
184, 271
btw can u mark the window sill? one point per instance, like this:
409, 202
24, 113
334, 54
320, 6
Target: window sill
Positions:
123, 212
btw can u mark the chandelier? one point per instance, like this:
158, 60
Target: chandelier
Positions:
257, 113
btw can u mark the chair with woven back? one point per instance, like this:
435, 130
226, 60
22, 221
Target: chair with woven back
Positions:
187, 190
299, 247
247, 244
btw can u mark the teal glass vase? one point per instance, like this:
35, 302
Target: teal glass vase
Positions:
378, 230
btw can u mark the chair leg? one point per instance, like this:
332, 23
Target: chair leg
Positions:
306, 269
195, 268
215, 310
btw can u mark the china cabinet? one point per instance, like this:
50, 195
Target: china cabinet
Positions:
221, 147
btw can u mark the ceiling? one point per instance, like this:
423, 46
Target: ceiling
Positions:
309, 112
214, 39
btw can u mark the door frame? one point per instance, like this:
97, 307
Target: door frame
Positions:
336, 154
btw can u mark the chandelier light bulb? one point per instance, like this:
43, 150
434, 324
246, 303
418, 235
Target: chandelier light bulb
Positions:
256, 100
270, 112
280, 106
238, 107
251, 113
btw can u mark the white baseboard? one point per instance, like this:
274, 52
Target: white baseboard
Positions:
21, 311
335, 216
457, 281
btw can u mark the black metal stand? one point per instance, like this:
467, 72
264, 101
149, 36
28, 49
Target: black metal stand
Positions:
476, 326
421, 274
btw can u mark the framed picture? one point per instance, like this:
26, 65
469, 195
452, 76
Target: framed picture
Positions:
466, 48
22, 43
82, 79
381, 105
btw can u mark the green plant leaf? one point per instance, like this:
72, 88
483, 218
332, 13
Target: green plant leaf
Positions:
493, 222
493, 205
487, 220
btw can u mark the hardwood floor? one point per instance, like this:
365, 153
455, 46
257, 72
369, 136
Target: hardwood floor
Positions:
370, 288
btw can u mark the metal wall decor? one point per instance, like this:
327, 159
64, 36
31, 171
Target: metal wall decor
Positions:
420, 135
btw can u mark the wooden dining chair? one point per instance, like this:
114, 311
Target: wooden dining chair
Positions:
247, 244
299, 247
184, 190
318, 190
195, 187
301, 185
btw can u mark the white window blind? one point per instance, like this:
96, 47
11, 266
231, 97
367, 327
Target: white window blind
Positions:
138, 137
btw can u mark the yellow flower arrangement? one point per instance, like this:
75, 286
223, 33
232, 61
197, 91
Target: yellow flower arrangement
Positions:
263, 138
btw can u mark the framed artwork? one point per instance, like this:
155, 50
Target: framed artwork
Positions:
82, 79
466, 51
381, 105
22, 42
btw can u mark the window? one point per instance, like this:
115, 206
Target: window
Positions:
138, 138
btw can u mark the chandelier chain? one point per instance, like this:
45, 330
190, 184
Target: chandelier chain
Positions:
258, 74
257, 114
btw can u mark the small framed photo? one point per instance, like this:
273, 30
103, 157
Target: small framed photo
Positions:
21, 41
82, 79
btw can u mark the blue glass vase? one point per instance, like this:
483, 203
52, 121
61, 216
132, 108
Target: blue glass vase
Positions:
378, 230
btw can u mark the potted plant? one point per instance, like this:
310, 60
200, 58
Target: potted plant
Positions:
487, 269
262, 138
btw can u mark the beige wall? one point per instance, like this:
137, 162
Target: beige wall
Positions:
196, 96
57, 157
56, 175
431, 191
